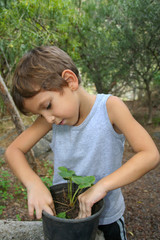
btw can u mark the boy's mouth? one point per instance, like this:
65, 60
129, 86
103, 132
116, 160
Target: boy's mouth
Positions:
62, 122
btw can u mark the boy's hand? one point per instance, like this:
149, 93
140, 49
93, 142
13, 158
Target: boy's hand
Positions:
89, 198
39, 199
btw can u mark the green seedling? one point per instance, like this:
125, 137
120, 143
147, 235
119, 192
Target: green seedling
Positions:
67, 175
62, 215
82, 182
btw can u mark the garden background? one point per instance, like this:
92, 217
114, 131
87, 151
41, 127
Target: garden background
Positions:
116, 46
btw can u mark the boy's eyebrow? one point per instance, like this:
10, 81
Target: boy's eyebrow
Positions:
40, 105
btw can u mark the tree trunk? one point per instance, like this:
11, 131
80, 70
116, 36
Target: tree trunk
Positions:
12, 110
149, 108
98, 86
149, 102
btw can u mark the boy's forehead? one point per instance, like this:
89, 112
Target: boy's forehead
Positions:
35, 102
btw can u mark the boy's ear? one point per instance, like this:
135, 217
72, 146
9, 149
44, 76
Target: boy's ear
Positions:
71, 79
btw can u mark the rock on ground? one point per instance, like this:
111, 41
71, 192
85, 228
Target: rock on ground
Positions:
18, 230
27, 230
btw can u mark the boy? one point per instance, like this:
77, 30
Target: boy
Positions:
88, 137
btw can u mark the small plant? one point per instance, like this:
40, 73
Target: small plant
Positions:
1, 209
18, 217
82, 182
47, 180
156, 121
5, 180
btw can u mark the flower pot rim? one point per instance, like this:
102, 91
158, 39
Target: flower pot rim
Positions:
74, 220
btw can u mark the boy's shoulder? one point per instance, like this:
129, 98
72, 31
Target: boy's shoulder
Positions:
116, 108
114, 101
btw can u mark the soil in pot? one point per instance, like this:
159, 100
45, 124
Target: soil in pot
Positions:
56, 228
62, 205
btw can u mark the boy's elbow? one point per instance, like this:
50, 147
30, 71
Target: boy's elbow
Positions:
156, 159
8, 153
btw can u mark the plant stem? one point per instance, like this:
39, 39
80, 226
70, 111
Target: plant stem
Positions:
70, 190
73, 198
61, 203
74, 201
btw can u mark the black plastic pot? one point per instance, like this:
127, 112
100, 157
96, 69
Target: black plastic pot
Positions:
70, 229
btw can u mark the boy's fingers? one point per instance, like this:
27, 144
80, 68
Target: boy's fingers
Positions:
38, 210
38, 213
82, 210
53, 209
31, 211
85, 210
88, 211
50, 209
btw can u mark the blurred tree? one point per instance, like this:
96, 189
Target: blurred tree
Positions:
114, 43
96, 45
25, 24
136, 26
12, 110
120, 45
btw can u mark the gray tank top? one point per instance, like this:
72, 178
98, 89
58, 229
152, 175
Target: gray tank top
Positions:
92, 148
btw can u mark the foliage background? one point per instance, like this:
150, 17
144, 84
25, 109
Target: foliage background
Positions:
115, 44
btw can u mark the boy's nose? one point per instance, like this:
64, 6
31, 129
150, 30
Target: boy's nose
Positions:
50, 119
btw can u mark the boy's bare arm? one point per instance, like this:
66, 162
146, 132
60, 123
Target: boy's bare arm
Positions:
39, 197
146, 156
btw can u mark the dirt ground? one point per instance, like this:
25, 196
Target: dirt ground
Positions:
142, 198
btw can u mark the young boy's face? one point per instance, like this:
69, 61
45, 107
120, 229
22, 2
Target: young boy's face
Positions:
55, 107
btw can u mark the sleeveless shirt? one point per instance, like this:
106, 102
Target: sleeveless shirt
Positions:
92, 148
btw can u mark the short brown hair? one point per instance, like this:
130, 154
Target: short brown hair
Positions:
42, 67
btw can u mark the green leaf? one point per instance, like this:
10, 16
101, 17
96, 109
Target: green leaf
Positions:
83, 182
61, 215
65, 173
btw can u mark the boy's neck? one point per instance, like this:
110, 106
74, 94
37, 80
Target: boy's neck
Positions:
86, 103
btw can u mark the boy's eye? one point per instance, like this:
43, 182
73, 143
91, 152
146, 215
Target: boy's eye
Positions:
49, 106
